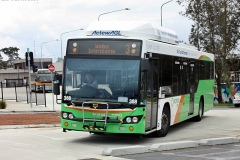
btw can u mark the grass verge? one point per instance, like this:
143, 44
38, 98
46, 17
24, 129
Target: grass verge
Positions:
223, 105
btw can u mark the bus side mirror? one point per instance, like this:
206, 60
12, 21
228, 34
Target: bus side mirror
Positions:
56, 88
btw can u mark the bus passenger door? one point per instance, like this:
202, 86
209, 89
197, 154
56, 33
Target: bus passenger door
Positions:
191, 86
152, 94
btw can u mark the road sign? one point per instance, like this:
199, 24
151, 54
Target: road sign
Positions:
51, 68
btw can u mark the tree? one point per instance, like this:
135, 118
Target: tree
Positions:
12, 53
216, 29
3, 64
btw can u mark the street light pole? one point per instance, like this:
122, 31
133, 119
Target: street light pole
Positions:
41, 50
61, 38
161, 9
113, 11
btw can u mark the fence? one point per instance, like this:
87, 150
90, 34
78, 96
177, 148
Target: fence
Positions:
12, 91
18, 82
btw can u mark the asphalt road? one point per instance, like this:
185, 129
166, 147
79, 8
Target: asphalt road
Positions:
52, 143
217, 152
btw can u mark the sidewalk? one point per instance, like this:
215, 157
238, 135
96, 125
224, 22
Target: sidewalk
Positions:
23, 106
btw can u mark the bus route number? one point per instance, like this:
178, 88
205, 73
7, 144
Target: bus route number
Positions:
67, 98
132, 101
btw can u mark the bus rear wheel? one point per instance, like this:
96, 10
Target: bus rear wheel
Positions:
165, 123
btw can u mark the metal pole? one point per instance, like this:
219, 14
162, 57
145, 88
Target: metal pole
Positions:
161, 9
61, 39
41, 58
41, 50
2, 89
15, 90
52, 90
45, 101
30, 86
61, 45
112, 12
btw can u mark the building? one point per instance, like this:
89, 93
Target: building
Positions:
21, 63
20, 73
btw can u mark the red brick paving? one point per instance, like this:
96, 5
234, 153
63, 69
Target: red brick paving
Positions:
29, 118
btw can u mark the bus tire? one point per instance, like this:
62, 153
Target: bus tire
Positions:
200, 111
236, 105
165, 125
97, 133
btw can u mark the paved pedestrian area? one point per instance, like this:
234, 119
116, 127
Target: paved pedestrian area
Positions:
13, 106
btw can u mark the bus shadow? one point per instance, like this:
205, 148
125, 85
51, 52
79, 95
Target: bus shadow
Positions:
110, 139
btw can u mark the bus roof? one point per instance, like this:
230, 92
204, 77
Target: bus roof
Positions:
132, 29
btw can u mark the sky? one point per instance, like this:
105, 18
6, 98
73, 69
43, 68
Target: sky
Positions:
41, 25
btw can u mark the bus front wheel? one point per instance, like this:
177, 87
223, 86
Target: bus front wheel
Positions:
165, 123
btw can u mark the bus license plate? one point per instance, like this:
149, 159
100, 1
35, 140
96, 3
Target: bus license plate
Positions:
122, 128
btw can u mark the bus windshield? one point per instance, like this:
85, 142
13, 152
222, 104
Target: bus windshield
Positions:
44, 77
111, 80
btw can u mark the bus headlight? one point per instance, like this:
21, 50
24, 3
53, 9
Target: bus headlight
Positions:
132, 119
128, 120
135, 119
70, 116
65, 115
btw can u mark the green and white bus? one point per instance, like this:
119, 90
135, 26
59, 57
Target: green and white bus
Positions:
147, 81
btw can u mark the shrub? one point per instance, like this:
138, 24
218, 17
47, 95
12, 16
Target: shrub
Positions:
3, 104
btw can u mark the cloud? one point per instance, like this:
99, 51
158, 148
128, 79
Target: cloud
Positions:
9, 42
29, 23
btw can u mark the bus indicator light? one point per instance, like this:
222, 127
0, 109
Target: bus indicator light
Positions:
75, 44
66, 124
74, 50
131, 128
133, 51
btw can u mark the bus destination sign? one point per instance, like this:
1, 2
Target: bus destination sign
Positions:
104, 47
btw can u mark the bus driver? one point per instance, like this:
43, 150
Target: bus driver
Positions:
90, 81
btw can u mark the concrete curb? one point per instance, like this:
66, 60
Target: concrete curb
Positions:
29, 126
216, 141
168, 146
125, 150
173, 145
